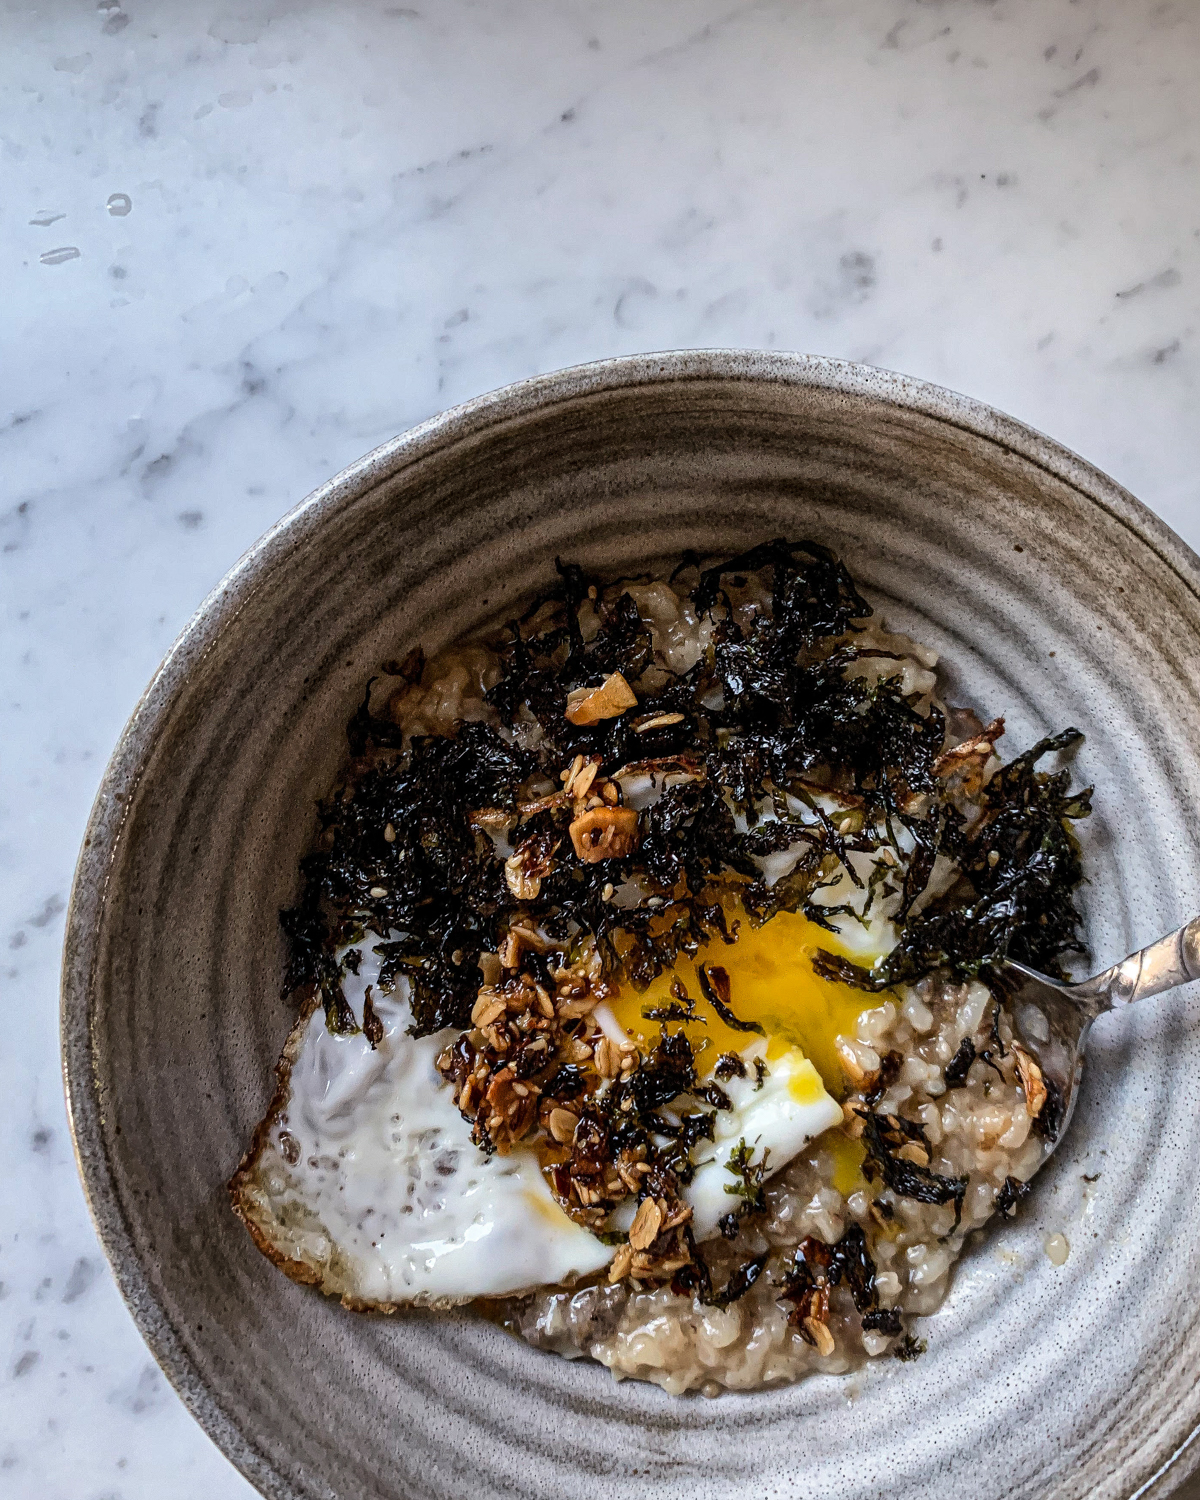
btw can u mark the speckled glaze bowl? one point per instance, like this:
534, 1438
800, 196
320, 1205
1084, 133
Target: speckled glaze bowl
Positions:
1054, 597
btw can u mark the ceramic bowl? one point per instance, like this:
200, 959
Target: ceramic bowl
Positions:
1053, 596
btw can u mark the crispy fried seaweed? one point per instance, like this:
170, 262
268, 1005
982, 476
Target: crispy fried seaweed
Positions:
714, 986
432, 887
1010, 1195
779, 709
741, 1279
817, 1267
884, 1136
1020, 864
910, 1348
960, 1064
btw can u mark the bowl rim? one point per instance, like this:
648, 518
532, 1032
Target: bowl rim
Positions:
90, 889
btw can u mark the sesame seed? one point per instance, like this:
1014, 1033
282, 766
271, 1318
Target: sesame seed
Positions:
377, 891
389, 835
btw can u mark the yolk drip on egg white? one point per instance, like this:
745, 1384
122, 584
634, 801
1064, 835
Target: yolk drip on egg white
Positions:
373, 1162
772, 982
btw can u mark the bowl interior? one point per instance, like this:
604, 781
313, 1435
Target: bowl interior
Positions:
1053, 598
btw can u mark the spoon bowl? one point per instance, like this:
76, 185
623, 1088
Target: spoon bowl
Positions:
1053, 1018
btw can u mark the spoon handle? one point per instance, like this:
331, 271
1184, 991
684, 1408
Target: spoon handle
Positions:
1171, 961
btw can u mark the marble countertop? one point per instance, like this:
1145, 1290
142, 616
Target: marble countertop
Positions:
243, 241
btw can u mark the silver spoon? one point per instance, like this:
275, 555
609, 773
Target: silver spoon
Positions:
1052, 1019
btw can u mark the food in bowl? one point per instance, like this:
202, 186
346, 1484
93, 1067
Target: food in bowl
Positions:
643, 961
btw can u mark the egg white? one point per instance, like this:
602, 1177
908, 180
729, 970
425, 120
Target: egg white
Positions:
378, 1155
770, 1119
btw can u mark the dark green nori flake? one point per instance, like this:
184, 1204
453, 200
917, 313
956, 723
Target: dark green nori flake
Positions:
729, 1226
681, 1008
927, 837
791, 892
1022, 907
997, 1039
761, 1072
689, 559
568, 1082
714, 986
539, 670
1016, 905
960, 1064
750, 1176
989, 1061
818, 1267
352, 960
1050, 1117
622, 645
1013, 1192
730, 1065
885, 1320
714, 1094
689, 832
889, 1070
695, 1279
365, 729
312, 967
809, 600
693, 1127
883, 1136
672, 1012
665, 1073
372, 1026
910, 1348
741, 1279
444, 893
839, 970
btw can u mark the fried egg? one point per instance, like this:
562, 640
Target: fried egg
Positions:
367, 1183
364, 1179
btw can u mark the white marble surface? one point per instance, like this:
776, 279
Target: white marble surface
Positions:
243, 242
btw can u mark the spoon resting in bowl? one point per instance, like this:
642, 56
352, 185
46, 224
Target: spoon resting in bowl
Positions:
1053, 1019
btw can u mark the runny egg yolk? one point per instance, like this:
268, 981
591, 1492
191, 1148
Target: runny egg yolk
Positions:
771, 981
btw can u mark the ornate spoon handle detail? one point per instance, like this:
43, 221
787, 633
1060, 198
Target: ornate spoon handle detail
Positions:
1171, 961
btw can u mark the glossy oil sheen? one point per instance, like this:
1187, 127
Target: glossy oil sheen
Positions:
1055, 597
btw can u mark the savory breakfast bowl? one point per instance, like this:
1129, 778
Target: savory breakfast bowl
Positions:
1051, 595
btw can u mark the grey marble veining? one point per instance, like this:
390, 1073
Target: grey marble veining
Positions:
242, 243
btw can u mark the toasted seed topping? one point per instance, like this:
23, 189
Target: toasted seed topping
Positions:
604, 833
646, 1224
562, 1125
656, 721
1031, 1081
608, 701
821, 1336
